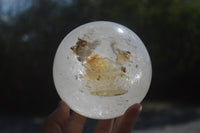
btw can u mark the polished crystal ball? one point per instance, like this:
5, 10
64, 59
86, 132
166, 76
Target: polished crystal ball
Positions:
102, 68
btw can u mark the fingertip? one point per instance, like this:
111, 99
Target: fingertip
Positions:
134, 108
132, 114
137, 106
127, 121
63, 105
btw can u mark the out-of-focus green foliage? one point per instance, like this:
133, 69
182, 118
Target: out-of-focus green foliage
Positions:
28, 42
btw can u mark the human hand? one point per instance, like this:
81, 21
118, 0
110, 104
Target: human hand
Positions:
60, 121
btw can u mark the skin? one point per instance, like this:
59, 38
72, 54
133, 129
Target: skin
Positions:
60, 121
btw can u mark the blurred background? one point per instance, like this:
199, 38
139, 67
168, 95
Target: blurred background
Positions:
31, 30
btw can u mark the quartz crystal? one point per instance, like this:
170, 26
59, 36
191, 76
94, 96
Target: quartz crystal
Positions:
102, 68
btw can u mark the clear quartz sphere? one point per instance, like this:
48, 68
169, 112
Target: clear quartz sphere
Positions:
102, 68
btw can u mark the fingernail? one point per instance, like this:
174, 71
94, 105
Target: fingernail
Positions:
138, 107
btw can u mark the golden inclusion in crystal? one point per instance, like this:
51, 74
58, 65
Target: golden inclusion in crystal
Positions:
104, 77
